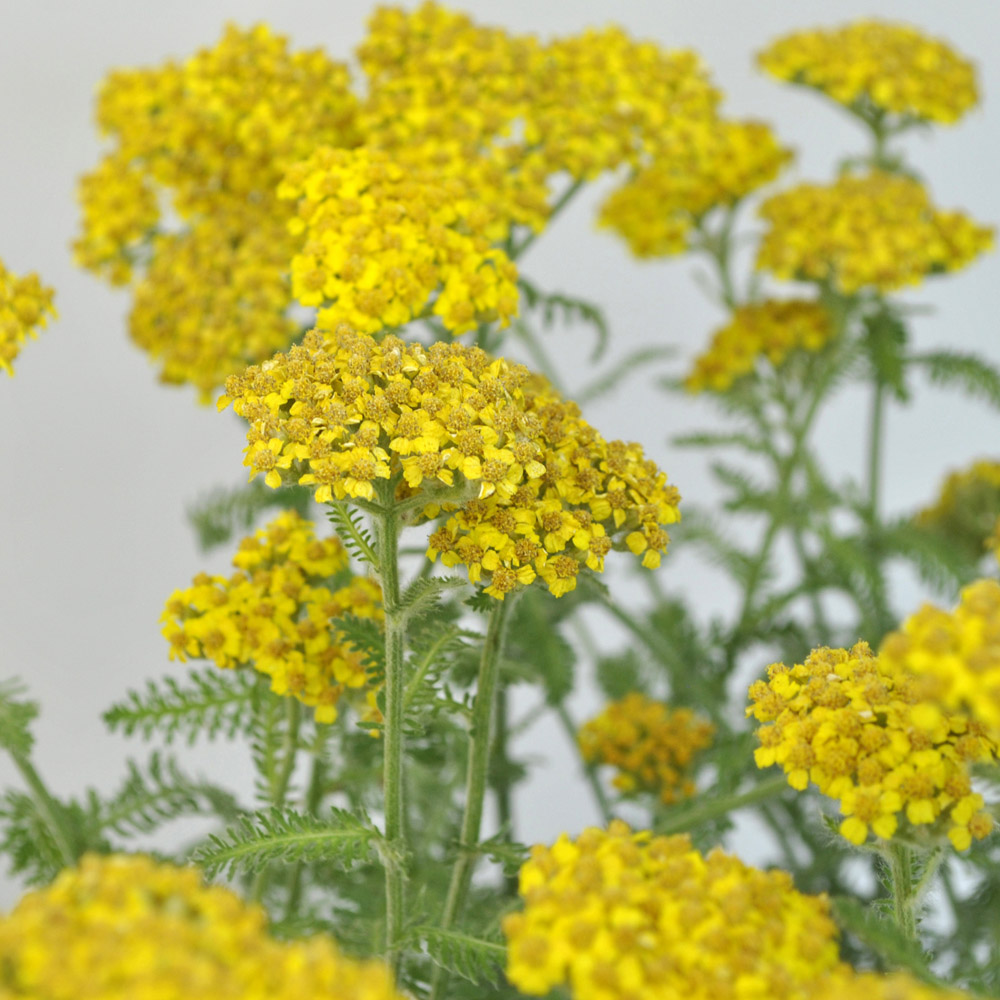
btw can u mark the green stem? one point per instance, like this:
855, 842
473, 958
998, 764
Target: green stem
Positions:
503, 786
590, 772
514, 251
880, 612
51, 811
476, 774
386, 523
900, 860
708, 809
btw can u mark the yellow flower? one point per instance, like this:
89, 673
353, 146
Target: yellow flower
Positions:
846, 984
621, 914
651, 745
766, 331
25, 308
871, 735
875, 230
891, 68
967, 510
277, 614
129, 928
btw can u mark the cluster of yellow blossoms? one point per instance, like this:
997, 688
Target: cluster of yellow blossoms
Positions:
878, 230
959, 651
277, 614
711, 164
968, 508
846, 984
124, 927
210, 139
871, 735
652, 746
385, 244
771, 329
548, 493
25, 307
624, 915
891, 68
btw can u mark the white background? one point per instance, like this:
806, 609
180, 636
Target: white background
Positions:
99, 461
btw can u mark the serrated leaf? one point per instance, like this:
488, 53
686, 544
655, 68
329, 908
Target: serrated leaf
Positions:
610, 379
425, 592
886, 345
470, 957
619, 675
226, 512
27, 841
349, 525
555, 306
969, 373
16, 716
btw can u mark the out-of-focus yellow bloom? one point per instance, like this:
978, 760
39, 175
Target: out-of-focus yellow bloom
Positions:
25, 308
768, 330
617, 914
652, 745
968, 508
958, 651
846, 984
874, 65
184, 203
876, 230
124, 927
706, 166
277, 613
549, 495
382, 244
872, 736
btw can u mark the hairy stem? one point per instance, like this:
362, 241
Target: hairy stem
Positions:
900, 860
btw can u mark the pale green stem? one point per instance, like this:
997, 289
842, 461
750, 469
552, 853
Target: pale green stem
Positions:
900, 861
707, 809
51, 811
476, 774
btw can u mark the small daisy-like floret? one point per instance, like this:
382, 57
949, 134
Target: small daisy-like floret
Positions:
876, 230
958, 651
25, 308
878, 66
967, 510
874, 737
621, 914
277, 614
710, 165
651, 745
768, 332
126, 927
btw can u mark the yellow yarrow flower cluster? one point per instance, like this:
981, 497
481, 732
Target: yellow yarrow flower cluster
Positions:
705, 167
958, 650
869, 735
768, 330
615, 914
124, 927
25, 308
846, 984
651, 744
206, 141
967, 510
384, 244
875, 230
277, 613
890, 68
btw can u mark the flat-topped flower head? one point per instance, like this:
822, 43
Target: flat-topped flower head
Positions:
183, 205
957, 651
25, 308
126, 927
629, 915
873, 737
382, 244
875, 66
967, 509
278, 614
709, 165
651, 745
765, 332
876, 230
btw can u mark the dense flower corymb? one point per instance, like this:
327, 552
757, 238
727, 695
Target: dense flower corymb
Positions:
967, 509
25, 307
277, 613
768, 330
958, 650
869, 735
888, 67
617, 914
846, 984
651, 745
549, 495
875, 230
129, 928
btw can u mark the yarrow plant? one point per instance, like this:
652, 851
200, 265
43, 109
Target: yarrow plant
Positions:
430, 524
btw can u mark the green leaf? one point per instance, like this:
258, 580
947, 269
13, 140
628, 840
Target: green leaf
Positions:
367, 637
226, 512
32, 853
16, 716
968, 373
472, 958
350, 526
424, 594
207, 702
287, 836
709, 439
557, 307
605, 383
536, 643
619, 675
939, 562
886, 346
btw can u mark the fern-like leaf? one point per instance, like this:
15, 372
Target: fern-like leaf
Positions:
425, 593
350, 527
472, 958
556, 307
27, 842
220, 515
208, 702
970, 374
607, 382
16, 716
